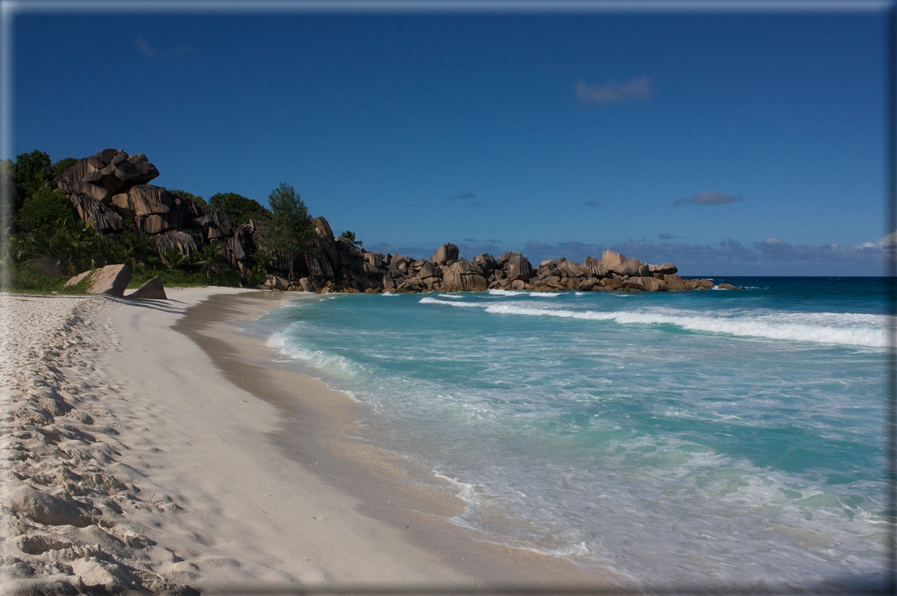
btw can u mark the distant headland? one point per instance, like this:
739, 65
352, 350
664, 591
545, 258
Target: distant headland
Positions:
243, 243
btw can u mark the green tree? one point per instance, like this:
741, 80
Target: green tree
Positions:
210, 260
350, 236
290, 229
238, 208
32, 171
133, 249
175, 259
76, 246
62, 165
72, 246
42, 208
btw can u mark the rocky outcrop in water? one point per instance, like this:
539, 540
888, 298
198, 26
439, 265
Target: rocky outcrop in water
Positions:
336, 265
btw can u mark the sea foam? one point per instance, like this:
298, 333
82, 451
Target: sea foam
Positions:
847, 329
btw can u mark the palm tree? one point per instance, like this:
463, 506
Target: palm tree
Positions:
174, 258
210, 260
350, 236
130, 250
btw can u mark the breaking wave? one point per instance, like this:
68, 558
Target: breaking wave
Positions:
843, 329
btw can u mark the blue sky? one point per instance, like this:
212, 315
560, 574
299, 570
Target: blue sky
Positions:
726, 143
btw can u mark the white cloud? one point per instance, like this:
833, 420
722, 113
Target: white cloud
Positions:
887, 245
147, 49
886, 241
612, 92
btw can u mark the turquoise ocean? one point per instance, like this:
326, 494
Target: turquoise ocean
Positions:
704, 437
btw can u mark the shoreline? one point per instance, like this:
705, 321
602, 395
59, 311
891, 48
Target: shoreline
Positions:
391, 488
153, 445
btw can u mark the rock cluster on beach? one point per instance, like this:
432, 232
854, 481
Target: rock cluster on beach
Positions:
110, 190
113, 280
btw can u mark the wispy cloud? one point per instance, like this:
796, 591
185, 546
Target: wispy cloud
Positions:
708, 198
147, 49
467, 197
592, 204
665, 236
613, 92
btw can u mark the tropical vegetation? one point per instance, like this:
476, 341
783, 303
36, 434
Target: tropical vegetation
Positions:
47, 243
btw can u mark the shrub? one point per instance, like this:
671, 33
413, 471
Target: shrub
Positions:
43, 209
238, 208
41, 276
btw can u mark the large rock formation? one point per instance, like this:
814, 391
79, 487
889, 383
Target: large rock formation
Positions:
111, 170
444, 254
90, 184
337, 265
111, 191
621, 265
463, 276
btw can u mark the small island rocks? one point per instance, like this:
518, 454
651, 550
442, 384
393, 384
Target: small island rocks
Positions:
110, 190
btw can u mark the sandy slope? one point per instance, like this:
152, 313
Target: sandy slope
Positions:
133, 461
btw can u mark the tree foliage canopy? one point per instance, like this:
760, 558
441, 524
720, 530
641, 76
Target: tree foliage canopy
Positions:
290, 229
32, 170
62, 165
44, 208
238, 208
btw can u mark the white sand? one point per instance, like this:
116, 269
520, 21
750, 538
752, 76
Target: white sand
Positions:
130, 460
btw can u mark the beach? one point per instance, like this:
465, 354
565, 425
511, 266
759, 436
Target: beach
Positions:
152, 445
